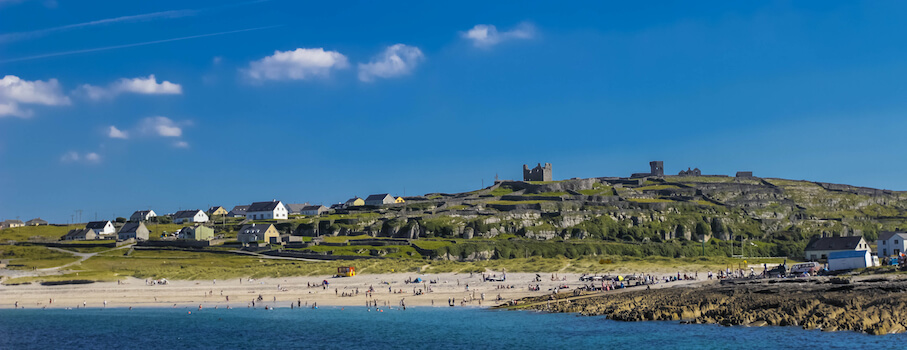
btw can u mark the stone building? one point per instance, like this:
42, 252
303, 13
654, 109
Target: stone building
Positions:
538, 173
656, 168
690, 172
744, 174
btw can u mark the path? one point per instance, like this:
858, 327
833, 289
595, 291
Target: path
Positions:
50, 270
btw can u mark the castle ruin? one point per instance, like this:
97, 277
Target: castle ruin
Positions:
690, 172
656, 168
538, 173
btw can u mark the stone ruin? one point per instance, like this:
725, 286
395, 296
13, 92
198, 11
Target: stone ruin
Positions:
744, 174
538, 173
690, 172
656, 168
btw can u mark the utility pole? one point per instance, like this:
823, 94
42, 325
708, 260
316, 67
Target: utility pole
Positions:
80, 214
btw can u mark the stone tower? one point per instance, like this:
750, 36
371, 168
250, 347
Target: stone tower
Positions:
538, 173
658, 168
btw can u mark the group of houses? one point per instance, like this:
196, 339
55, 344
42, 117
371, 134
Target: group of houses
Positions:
847, 252
18, 223
254, 232
107, 230
375, 200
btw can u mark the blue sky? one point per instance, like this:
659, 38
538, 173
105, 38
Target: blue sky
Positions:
113, 106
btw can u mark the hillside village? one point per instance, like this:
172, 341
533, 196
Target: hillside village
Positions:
647, 213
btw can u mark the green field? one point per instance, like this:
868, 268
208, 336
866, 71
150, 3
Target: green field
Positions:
34, 257
41, 233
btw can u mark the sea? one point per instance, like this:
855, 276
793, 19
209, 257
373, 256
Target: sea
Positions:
413, 328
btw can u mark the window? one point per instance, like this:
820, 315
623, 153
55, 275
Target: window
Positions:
895, 241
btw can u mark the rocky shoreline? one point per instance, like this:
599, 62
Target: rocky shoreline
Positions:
873, 305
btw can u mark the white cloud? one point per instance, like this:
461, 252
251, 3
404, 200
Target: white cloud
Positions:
15, 91
160, 126
117, 133
92, 157
73, 157
396, 60
145, 86
487, 35
181, 144
296, 65
70, 157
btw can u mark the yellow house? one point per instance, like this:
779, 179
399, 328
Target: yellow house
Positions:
217, 210
355, 202
399, 200
258, 232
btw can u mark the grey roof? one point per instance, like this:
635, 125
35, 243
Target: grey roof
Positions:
239, 209
130, 227
263, 206
141, 212
254, 228
186, 213
13, 221
886, 235
313, 207
96, 225
214, 208
378, 197
834, 243
79, 232
295, 208
37, 220
352, 200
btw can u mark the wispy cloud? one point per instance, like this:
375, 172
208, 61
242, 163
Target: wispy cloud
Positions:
487, 35
160, 126
396, 60
144, 17
4, 38
141, 85
76, 157
153, 128
115, 133
296, 65
15, 91
105, 48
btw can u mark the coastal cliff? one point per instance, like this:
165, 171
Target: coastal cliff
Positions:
873, 306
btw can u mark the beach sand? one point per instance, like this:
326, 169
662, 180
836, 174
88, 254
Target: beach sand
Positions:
389, 289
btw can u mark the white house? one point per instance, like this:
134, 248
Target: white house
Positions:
194, 215
820, 248
142, 215
101, 228
378, 200
267, 211
891, 244
11, 223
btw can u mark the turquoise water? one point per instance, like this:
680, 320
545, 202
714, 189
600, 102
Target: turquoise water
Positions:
415, 328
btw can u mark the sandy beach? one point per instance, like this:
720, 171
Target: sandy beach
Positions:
467, 290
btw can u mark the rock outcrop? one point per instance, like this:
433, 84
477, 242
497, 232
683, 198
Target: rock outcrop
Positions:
875, 306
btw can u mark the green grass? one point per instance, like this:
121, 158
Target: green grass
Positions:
31, 257
343, 239
500, 191
426, 244
44, 232
458, 207
598, 189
